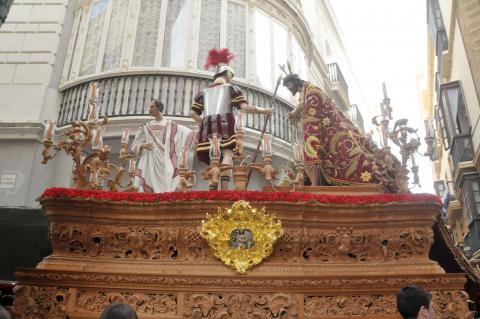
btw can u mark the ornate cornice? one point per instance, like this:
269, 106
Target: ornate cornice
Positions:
348, 283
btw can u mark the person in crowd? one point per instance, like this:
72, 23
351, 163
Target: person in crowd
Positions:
119, 311
415, 303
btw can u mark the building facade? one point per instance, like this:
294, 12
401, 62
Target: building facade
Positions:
451, 105
136, 50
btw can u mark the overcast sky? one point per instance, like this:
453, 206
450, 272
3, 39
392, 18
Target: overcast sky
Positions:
386, 42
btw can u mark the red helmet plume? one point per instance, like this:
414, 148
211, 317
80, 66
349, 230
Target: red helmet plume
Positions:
216, 57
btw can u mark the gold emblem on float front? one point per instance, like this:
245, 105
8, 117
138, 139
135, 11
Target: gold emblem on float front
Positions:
241, 236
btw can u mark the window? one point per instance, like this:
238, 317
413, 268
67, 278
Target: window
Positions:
453, 115
147, 33
176, 33
236, 36
435, 22
439, 188
471, 198
116, 32
299, 61
209, 29
94, 34
272, 46
264, 50
442, 128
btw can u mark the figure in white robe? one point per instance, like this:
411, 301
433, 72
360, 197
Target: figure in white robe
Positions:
158, 145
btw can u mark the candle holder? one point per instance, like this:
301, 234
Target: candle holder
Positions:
187, 178
212, 173
266, 168
89, 172
124, 144
115, 183
299, 179
239, 134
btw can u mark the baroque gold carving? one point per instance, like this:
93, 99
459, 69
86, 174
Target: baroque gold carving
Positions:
240, 306
142, 303
40, 302
241, 236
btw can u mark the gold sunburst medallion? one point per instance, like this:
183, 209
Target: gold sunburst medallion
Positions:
241, 236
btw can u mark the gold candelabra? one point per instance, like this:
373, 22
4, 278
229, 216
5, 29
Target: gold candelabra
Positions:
90, 172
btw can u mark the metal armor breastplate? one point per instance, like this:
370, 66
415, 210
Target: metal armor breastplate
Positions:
216, 100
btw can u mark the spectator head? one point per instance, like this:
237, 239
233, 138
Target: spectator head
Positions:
415, 303
4, 313
119, 311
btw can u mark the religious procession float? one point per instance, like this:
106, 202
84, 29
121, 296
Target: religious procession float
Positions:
139, 232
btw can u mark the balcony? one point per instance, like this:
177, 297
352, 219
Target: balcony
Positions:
129, 95
340, 86
356, 117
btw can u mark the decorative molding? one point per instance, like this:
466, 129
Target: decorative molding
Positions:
350, 283
142, 303
240, 305
59, 303
40, 302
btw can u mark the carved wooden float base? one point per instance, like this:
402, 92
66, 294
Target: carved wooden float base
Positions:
336, 260
85, 295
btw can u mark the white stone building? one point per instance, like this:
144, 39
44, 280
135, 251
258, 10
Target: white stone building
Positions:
50, 50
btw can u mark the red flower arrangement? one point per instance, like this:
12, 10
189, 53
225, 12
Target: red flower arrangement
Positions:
237, 195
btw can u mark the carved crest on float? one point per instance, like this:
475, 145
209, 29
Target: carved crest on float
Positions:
241, 236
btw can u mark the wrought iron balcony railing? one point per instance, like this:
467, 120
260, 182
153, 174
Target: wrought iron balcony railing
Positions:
336, 75
462, 149
129, 95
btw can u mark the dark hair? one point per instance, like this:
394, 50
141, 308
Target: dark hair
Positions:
410, 299
159, 104
294, 78
118, 311
4, 313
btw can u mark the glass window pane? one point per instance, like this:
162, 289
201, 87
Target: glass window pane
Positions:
263, 48
176, 32
280, 48
209, 29
450, 97
147, 32
94, 34
236, 36
475, 186
116, 30
299, 62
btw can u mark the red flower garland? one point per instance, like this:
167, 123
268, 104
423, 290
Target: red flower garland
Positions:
238, 195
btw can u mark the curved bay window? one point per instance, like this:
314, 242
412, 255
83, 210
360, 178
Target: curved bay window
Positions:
110, 36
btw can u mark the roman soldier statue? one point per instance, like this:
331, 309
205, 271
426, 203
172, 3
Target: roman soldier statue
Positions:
213, 110
335, 151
